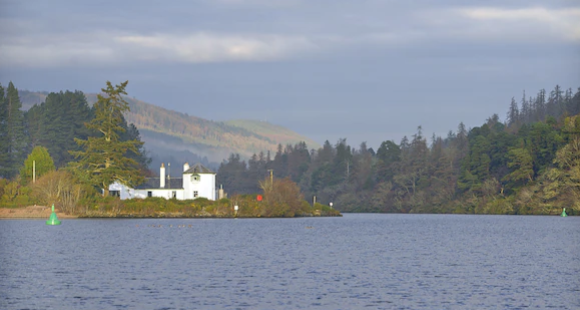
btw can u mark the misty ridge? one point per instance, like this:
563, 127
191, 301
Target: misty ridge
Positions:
177, 137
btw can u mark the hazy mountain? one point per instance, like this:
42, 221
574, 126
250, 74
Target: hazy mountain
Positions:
176, 137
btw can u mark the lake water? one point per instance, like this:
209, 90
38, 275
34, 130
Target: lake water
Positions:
359, 261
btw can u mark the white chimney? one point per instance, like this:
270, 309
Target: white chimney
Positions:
221, 193
162, 176
185, 167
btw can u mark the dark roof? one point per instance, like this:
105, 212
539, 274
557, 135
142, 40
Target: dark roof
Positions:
153, 183
198, 168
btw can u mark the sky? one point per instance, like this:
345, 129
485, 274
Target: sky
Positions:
364, 70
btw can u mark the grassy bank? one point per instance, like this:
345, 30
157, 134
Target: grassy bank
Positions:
111, 207
248, 207
32, 212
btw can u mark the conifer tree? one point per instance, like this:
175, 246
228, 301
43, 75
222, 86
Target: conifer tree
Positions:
33, 119
521, 165
102, 159
513, 116
3, 133
56, 122
12, 134
141, 157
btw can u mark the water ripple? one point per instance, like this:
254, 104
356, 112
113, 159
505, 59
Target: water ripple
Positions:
354, 262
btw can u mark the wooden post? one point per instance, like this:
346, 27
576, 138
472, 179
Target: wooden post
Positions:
271, 178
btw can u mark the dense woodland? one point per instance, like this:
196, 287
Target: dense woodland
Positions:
60, 134
529, 164
53, 124
77, 151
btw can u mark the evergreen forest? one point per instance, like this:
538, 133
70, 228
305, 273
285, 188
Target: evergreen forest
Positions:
529, 164
53, 124
65, 153
60, 137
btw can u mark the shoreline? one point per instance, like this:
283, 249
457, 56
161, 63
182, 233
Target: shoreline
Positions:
32, 212
43, 212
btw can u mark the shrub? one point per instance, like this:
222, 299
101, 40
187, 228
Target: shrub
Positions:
282, 198
62, 189
10, 193
3, 183
499, 206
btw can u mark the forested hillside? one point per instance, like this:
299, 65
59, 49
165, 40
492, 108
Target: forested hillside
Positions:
67, 153
54, 123
177, 137
212, 139
529, 164
73, 150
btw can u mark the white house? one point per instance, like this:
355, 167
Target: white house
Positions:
197, 181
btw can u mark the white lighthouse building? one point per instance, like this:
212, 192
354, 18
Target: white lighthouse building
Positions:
197, 181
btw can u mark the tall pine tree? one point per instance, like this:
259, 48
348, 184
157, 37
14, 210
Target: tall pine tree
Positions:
102, 158
56, 122
3, 134
12, 134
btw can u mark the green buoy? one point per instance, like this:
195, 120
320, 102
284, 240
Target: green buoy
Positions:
564, 213
53, 220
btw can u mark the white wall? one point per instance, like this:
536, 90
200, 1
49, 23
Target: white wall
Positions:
187, 193
125, 192
163, 193
129, 193
205, 186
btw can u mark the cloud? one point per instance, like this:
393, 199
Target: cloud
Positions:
533, 23
43, 51
537, 13
206, 47
261, 3
101, 48
273, 34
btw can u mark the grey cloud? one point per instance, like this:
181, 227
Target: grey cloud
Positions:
362, 70
133, 33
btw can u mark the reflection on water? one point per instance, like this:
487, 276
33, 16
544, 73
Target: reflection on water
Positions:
358, 261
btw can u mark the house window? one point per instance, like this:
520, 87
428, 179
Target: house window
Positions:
195, 194
173, 194
195, 177
115, 193
149, 194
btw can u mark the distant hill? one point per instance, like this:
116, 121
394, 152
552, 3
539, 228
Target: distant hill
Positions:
270, 131
172, 136
30, 98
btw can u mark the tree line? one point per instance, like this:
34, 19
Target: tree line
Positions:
76, 152
529, 164
53, 124
80, 149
